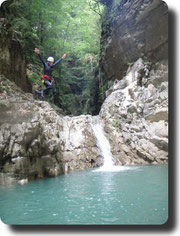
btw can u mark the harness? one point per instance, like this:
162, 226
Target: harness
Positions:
43, 77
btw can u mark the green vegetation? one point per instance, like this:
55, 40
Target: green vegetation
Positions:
57, 27
116, 123
5, 86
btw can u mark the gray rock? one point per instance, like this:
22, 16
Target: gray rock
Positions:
158, 114
162, 144
139, 28
132, 109
36, 142
143, 118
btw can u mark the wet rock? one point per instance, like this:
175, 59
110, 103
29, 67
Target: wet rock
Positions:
79, 143
140, 115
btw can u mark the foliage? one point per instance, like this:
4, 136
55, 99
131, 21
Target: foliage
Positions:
33, 78
96, 6
116, 123
57, 27
5, 86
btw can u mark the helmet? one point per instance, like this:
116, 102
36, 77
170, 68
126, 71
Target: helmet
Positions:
50, 59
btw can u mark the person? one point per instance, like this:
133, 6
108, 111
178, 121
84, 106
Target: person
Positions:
47, 78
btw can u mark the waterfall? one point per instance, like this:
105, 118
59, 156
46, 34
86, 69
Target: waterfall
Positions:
104, 146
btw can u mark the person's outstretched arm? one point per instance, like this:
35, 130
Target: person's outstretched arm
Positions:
38, 53
55, 63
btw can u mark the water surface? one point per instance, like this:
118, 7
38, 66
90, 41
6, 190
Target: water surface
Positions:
131, 195
107, 195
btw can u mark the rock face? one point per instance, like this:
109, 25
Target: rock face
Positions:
134, 59
136, 115
12, 62
78, 143
133, 29
35, 142
29, 148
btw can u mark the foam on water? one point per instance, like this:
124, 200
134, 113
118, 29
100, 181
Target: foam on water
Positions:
114, 168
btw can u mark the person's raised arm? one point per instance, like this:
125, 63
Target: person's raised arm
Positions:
55, 63
38, 53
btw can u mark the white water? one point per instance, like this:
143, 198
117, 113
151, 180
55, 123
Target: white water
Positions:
105, 148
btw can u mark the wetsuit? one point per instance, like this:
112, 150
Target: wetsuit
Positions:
48, 72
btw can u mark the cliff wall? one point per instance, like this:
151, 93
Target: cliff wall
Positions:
131, 30
12, 61
36, 142
135, 62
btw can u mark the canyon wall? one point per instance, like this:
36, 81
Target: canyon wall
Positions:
12, 61
131, 30
36, 142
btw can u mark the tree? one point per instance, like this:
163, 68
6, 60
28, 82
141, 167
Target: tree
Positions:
57, 27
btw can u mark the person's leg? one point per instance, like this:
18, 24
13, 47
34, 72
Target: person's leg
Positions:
38, 91
48, 85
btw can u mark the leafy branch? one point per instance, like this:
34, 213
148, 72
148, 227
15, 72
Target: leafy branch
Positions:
96, 7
